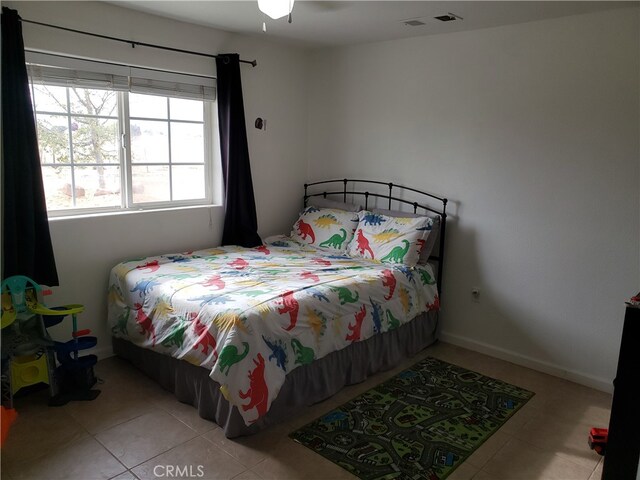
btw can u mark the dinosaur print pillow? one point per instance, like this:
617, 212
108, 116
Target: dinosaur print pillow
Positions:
327, 228
390, 239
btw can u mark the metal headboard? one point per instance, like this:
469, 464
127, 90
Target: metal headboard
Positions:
390, 196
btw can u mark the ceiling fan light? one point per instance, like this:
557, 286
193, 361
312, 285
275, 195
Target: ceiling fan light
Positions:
276, 8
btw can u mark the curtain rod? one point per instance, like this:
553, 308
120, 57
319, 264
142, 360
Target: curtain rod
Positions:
133, 43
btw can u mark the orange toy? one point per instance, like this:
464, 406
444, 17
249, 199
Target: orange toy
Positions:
8, 417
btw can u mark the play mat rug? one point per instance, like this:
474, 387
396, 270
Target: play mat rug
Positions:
421, 424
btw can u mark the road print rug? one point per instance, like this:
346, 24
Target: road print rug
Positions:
421, 424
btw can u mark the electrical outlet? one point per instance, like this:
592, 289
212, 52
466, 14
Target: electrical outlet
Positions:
475, 294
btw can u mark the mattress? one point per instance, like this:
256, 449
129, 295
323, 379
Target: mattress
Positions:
250, 317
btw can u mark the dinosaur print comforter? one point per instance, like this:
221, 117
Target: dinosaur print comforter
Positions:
252, 315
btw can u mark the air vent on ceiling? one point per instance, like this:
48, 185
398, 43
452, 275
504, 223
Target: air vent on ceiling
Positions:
449, 17
413, 23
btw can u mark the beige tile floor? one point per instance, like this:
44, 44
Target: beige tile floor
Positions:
135, 428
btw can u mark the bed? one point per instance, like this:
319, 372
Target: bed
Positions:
247, 336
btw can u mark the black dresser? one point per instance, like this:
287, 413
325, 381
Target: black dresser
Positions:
623, 446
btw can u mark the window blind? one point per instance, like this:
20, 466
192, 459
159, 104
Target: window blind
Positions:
63, 77
66, 71
142, 80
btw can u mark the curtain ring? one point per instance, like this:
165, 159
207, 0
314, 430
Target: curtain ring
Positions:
226, 60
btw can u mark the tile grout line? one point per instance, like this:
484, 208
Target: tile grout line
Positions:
162, 453
112, 454
124, 421
554, 452
511, 437
57, 447
116, 424
215, 425
214, 443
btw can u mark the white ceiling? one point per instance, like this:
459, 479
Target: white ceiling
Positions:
333, 23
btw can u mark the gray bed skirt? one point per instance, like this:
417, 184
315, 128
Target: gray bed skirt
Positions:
304, 386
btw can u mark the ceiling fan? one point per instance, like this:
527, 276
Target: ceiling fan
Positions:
276, 8
281, 8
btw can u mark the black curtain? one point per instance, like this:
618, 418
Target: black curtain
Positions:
240, 220
26, 241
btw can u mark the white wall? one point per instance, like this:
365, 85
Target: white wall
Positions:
532, 131
87, 248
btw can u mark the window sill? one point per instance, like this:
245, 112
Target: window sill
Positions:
129, 212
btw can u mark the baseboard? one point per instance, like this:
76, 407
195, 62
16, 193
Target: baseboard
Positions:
598, 383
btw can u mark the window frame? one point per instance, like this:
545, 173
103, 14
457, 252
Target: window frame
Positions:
125, 147
125, 163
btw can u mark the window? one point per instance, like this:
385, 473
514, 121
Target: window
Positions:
167, 148
120, 137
